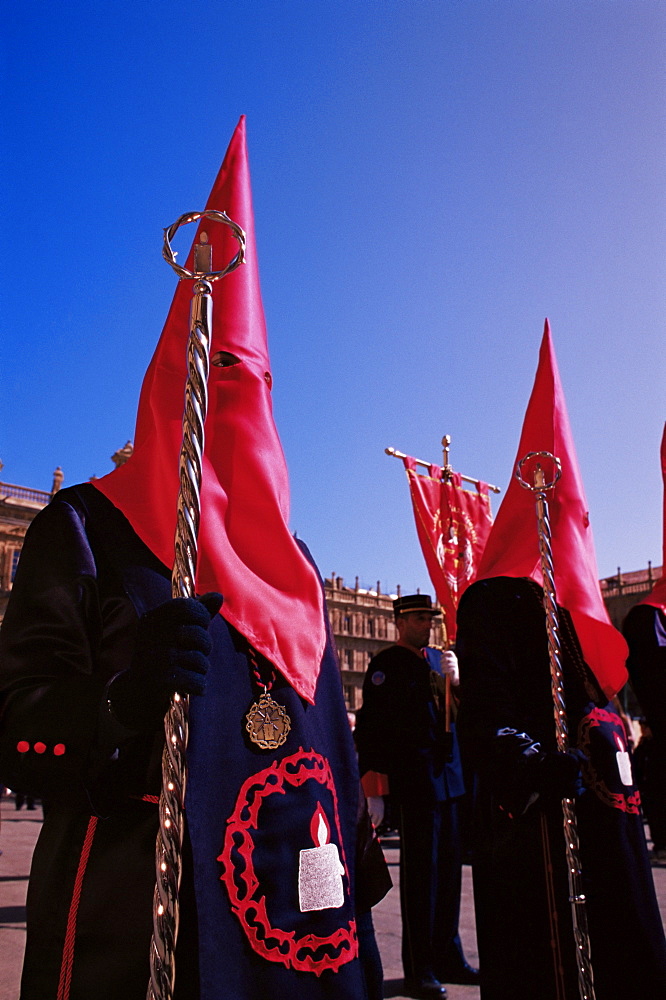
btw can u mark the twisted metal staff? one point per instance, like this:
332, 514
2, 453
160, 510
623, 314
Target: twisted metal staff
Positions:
570, 827
168, 848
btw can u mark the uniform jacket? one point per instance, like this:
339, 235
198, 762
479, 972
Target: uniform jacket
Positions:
83, 580
401, 733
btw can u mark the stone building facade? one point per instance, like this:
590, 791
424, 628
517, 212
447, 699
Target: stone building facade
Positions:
18, 506
362, 624
622, 591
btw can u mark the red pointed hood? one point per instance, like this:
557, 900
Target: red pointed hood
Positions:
657, 596
512, 548
272, 594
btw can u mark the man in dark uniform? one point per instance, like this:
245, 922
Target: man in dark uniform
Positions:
405, 749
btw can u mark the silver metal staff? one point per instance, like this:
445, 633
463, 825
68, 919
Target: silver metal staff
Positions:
168, 849
570, 828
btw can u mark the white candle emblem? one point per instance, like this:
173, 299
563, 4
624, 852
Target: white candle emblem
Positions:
623, 762
320, 870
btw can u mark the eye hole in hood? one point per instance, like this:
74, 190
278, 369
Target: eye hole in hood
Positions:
224, 359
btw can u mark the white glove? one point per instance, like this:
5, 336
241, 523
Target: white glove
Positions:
376, 809
450, 666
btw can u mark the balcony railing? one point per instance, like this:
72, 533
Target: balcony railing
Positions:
24, 493
636, 582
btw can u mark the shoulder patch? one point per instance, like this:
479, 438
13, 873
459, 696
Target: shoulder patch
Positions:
378, 677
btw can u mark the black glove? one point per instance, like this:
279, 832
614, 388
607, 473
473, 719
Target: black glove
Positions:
558, 775
522, 770
171, 654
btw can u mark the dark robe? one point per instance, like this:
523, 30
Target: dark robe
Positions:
645, 631
506, 725
83, 580
400, 732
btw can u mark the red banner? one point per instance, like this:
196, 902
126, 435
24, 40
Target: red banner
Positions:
453, 525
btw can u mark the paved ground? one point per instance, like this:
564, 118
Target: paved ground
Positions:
386, 917
19, 832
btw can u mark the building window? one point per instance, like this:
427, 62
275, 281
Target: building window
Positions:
371, 627
346, 623
349, 659
15, 558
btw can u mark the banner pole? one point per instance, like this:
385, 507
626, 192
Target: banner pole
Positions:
420, 461
447, 474
539, 488
168, 847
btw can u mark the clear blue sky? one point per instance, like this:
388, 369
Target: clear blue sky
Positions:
432, 178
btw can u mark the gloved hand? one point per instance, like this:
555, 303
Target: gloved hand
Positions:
445, 666
376, 809
171, 654
450, 666
558, 775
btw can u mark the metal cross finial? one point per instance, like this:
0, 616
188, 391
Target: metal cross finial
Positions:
209, 275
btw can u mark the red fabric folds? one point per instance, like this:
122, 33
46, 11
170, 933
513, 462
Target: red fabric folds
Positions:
452, 526
513, 546
657, 596
272, 594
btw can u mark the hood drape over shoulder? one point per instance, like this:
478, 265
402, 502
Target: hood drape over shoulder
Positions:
272, 594
512, 548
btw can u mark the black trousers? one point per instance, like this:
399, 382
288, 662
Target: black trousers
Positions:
430, 883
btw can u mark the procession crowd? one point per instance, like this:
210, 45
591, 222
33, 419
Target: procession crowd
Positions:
487, 750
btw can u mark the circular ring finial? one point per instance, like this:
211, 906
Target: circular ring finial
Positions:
170, 255
540, 487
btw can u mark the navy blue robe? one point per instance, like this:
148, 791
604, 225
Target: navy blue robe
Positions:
84, 578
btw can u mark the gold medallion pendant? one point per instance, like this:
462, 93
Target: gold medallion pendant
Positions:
267, 723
